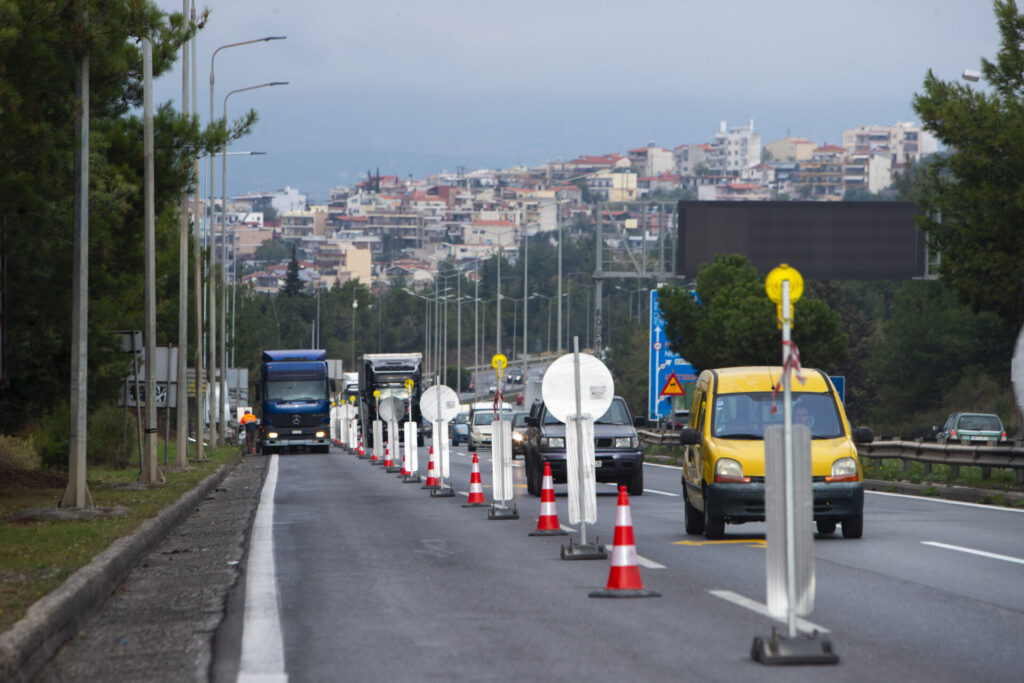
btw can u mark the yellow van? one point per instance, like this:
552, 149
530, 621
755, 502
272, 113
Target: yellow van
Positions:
723, 463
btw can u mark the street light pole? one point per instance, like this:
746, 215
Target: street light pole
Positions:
355, 305
224, 252
215, 410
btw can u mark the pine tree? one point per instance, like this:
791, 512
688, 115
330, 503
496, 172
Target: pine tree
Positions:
292, 283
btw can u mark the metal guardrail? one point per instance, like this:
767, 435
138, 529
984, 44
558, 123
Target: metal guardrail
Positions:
928, 453
954, 455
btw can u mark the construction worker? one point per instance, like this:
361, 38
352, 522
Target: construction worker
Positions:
251, 424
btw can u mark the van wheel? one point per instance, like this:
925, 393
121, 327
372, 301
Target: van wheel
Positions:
692, 517
714, 525
826, 526
853, 527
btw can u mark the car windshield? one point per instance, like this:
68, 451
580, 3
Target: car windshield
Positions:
744, 416
461, 418
486, 417
615, 415
980, 423
296, 390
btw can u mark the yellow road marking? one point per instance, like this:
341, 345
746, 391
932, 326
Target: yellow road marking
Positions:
749, 542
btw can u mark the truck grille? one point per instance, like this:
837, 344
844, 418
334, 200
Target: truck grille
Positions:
294, 420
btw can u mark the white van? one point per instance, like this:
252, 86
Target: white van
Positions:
481, 415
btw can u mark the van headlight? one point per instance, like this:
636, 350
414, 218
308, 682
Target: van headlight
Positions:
552, 442
843, 469
626, 442
729, 471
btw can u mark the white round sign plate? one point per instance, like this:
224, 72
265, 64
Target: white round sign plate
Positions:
439, 408
596, 387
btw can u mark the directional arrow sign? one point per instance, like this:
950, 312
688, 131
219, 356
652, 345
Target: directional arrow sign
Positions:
662, 364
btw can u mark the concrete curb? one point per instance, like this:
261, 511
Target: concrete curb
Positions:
55, 618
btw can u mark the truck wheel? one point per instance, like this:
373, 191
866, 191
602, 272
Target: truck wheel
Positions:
693, 518
714, 525
853, 527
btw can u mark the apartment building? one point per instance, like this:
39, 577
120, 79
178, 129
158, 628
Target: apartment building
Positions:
612, 186
904, 142
689, 157
823, 173
735, 149
651, 160
790, 149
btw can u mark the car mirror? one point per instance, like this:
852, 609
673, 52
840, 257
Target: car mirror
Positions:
532, 421
689, 436
863, 435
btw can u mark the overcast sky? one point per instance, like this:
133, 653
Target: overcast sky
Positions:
419, 86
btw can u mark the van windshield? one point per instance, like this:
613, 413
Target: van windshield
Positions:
744, 416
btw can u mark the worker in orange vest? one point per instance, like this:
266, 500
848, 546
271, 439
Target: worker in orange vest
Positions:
251, 424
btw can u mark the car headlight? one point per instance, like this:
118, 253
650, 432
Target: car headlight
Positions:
552, 442
843, 469
271, 435
626, 442
729, 471
517, 436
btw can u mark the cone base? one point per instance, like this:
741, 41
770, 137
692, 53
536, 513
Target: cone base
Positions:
549, 532
623, 593
476, 505
442, 492
412, 479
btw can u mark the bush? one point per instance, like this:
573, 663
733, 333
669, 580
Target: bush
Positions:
52, 440
112, 437
17, 454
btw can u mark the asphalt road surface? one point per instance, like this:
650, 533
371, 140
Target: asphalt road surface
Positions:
350, 574
378, 580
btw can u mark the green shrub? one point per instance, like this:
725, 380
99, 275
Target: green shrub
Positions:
52, 440
112, 437
17, 454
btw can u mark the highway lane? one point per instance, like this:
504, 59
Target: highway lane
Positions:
377, 579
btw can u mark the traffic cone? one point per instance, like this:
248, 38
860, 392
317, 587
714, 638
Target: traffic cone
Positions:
388, 461
432, 480
624, 577
547, 523
361, 451
476, 487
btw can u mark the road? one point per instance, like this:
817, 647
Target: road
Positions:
378, 580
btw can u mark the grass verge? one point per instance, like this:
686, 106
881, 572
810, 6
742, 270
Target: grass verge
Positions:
36, 557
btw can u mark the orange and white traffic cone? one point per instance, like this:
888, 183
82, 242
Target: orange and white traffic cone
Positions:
547, 523
476, 486
361, 451
624, 578
389, 462
432, 481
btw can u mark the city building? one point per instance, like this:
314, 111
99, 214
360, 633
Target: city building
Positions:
904, 142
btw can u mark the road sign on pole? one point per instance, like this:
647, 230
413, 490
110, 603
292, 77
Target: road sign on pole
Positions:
663, 363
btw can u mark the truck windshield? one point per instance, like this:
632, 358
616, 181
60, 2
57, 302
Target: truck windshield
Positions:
744, 416
297, 390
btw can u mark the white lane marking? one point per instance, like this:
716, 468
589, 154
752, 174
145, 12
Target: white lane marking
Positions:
262, 656
754, 606
654, 491
972, 551
658, 464
930, 499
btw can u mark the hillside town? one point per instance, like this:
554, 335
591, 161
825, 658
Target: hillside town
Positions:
388, 226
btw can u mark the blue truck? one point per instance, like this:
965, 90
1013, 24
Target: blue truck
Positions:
294, 397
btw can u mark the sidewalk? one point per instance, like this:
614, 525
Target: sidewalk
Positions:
159, 623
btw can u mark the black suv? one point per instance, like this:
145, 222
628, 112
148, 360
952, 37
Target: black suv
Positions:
618, 454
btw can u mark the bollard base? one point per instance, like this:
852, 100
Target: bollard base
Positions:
503, 512
412, 479
624, 593
443, 492
779, 650
588, 551
549, 532
364, 456
392, 470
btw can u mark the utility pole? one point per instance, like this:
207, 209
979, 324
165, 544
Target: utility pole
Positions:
150, 473
181, 448
197, 281
77, 492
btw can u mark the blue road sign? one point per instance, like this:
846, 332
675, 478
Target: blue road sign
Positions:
662, 364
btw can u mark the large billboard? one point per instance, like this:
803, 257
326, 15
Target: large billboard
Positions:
823, 240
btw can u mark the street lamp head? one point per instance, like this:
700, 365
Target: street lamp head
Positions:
278, 83
275, 37
972, 75
355, 303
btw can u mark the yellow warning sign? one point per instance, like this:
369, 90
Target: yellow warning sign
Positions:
673, 387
